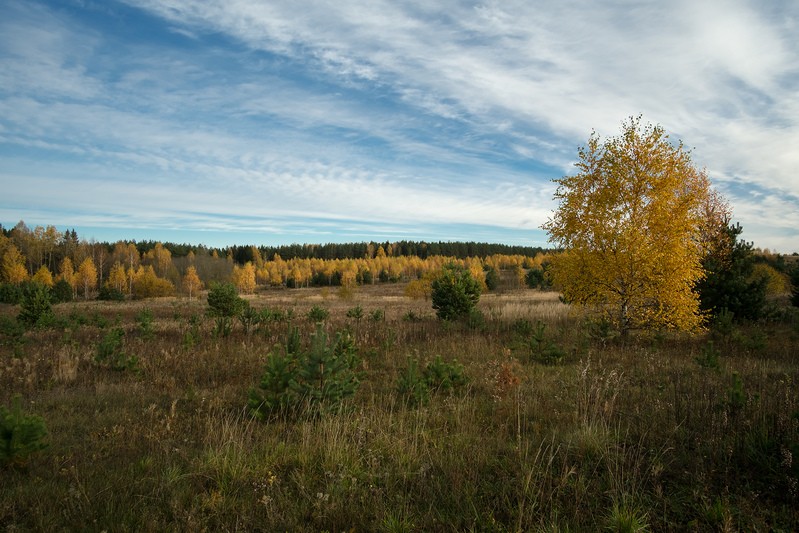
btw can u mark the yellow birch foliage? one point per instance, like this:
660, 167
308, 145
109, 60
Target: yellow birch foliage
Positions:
629, 223
86, 277
43, 276
420, 288
191, 282
244, 278
147, 284
776, 282
160, 258
67, 273
117, 279
13, 266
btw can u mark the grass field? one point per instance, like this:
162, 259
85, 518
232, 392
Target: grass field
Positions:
560, 427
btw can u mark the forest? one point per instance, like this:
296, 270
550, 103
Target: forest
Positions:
128, 269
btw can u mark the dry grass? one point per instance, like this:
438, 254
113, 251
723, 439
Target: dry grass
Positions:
632, 432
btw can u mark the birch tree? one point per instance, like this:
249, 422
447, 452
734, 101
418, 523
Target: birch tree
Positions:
630, 225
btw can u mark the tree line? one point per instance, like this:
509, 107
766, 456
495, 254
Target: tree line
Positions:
85, 269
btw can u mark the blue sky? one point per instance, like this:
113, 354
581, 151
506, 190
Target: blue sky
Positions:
244, 122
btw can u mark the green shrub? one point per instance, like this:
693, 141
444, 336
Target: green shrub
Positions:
411, 316
61, 292
318, 314
624, 518
492, 279
444, 377
729, 281
522, 327
224, 300
476, 320
539, 348
110, 294
795, 286
709, 357
10, 293
414, 385
145, 322
20, 435
723, 323
602, 330
110, 352
275, 395
249, 317
355, 313
35, 305
454, 293
11, 331
411, 384
736, 395
224, 304
327, 372
313, 381
534, 278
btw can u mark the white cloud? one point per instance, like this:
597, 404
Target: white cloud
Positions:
448, 112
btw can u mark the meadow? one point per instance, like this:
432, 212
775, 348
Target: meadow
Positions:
556, 425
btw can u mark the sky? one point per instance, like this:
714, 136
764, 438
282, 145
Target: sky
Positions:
223, 122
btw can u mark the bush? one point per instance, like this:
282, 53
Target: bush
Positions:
795, 286
11, 331
20, 435
149, 285
318, 379
110, 352
709, 357
61, 292
35, 304
539, 348
145, 319
10, 293
534, 278
492, 279
730, 282
355, 313
318, 314
411, 384
224, 305
224, 300
454, 293
110, 294
249, 317
415, 385
444, 377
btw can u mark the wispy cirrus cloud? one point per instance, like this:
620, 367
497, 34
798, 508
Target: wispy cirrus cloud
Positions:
386, 114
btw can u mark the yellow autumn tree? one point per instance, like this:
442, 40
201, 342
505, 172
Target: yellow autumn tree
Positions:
86, 277
67, 273
147, 284
191, 281
629, 224
244, 278
776, 283
13, 266
43, 276
420, 288
117, 279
